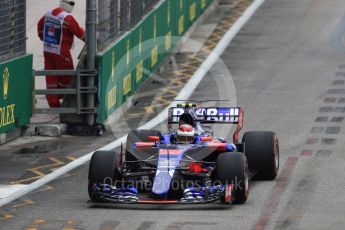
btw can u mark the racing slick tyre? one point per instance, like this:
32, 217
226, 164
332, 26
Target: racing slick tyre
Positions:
138, 136
232, 168
103, 169
262, 152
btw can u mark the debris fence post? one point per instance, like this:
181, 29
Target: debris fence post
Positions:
91, 40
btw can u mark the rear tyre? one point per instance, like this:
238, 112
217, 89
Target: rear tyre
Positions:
262, 152
232, 168
137, 136
103, 169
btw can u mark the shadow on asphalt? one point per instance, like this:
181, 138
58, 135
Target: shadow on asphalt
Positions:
170, 207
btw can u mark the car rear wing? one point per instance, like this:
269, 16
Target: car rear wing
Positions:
210, 115
207, 115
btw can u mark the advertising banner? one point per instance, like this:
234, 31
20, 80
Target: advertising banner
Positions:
15, 93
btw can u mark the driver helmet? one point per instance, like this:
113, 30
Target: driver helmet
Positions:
185, 134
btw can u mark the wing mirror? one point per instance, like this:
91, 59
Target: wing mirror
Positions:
153, 138
204, 139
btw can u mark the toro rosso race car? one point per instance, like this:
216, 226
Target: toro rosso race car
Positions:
187, 165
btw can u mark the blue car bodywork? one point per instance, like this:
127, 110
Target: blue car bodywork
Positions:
151, 177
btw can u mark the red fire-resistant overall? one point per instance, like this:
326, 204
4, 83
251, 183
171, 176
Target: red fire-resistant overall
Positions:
57, 29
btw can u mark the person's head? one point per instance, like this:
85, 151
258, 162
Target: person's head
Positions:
67, 5
185, 134
186, 118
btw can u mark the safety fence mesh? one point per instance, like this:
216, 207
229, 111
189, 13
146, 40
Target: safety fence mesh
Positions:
12, 28
115, 17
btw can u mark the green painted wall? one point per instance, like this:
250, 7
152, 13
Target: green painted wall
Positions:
128, 62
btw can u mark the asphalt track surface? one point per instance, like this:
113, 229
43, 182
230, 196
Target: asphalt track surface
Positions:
289, 69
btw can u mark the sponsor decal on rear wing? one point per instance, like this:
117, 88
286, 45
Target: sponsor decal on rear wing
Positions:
208, 115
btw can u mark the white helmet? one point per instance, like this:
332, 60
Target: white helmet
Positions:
67, 5
185, 134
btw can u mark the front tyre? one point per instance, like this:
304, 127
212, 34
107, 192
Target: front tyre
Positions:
103, 169
232, 168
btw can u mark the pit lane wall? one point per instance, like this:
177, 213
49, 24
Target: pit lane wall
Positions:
15, 93
129, 61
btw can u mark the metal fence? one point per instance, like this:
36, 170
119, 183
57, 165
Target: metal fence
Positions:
115, 17
12, 28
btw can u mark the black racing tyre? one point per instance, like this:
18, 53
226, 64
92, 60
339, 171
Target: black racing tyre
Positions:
103, 169
262, 152
232, 168
138, 136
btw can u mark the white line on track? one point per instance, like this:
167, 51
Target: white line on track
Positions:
185, 93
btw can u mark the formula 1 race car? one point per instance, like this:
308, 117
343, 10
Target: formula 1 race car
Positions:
187, 165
